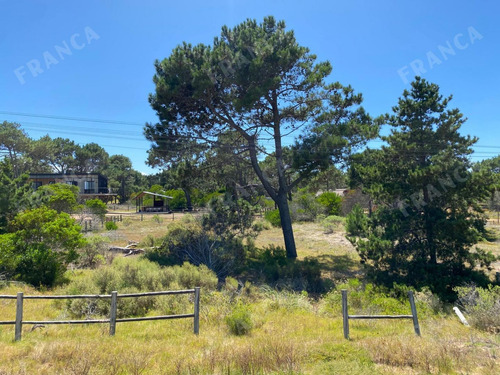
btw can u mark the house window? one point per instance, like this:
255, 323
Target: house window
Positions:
36, 184
89, 187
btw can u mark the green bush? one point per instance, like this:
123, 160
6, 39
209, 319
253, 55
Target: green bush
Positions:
94, 252
367, 299
111, 225
288, 300
59, 197
260, 225
331, 202
272, 267
273, 216
127, 275
239, 321
40, 266
178, 200
204, 200
357, 222
188, 241
97, 207
42, 243
481, 306
305, 207
332, 223
157, 219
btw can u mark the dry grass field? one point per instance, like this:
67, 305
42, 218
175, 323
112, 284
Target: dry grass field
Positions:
292, 333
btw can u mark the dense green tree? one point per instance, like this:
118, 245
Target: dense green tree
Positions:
90, 158
59, 197
331, 201
257, 81
491, 167
228, 166
122, 178
428, 216
14, 145
59, 152
327, 180
14, 194
40, 244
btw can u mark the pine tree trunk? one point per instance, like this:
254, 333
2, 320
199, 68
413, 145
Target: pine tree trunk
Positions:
286, 225
189, 205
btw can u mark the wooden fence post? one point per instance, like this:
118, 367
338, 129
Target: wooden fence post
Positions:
196, 310
19, 316
414, 313
345, 315
112, 313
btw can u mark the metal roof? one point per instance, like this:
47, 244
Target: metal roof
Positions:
149, 193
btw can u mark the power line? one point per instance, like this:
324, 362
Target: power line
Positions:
98, 132
72, 118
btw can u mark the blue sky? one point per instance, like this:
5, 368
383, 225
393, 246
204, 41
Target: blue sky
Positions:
105, 71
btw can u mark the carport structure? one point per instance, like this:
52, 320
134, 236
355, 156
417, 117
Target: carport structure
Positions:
160, 202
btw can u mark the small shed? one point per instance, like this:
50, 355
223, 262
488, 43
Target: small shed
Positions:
160, 202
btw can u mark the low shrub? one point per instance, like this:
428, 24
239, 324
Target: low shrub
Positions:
481, 305
157, 219
97, 207
131, 276
287, 300
331, 202
111, 225
260, 225
239, 321
332, 223
272, 267
357, 222
305, 207
273, 216
188, 241
94, 253
368, 299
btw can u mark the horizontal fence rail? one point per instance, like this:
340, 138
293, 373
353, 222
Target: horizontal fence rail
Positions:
346, 317
20, 297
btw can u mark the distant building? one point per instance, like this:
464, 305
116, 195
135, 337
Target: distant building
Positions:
341, 192
91, 185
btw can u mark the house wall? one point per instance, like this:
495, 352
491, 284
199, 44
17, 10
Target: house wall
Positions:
87, 183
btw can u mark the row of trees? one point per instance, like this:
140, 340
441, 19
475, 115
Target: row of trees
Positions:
63, 155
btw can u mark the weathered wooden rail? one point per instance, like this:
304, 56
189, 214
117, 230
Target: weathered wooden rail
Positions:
346, 316
19, 322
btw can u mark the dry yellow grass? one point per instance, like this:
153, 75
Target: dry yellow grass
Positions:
287, 339
292, 334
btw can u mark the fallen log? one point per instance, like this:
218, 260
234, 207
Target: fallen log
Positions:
134, 252
125, 250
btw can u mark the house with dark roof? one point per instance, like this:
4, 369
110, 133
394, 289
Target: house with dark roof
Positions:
91, 185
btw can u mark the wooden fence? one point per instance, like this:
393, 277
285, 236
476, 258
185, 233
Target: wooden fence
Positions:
112, 316
346, 316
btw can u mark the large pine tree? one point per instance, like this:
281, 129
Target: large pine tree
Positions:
428, 215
